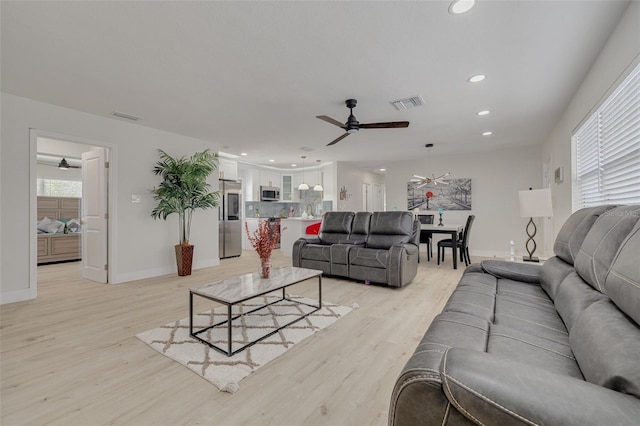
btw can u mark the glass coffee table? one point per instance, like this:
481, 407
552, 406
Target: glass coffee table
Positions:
236, 290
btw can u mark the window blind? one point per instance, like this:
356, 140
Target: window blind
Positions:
608, 149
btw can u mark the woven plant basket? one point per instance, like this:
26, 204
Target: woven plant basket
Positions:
184, 259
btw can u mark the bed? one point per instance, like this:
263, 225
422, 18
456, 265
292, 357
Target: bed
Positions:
54, 245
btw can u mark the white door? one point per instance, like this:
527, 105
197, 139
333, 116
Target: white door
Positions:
366, 197
378, 197
94, 216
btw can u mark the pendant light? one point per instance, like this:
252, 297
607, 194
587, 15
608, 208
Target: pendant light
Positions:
303, 186
63, 165
318, 186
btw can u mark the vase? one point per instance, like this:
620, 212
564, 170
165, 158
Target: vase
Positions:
184, 259
265, 268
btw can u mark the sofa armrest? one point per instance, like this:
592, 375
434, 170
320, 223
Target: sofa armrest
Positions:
525, 272
411, 249
489, 389
298, 246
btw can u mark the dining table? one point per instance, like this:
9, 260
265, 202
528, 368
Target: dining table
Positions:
453, 230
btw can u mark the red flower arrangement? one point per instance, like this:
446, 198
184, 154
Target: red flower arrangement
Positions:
264, 239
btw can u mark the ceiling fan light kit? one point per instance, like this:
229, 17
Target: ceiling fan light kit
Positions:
353, 125
63, 165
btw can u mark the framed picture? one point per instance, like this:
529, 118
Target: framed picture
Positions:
454, 194
558, 174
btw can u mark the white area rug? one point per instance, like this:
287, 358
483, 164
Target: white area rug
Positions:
173, 340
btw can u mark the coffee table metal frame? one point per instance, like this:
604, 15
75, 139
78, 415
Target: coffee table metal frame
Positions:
229, 304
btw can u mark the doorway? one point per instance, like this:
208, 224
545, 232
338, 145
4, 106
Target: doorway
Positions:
52, 185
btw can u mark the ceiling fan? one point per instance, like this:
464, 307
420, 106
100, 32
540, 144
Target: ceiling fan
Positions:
423, 180
353, 126
64, 165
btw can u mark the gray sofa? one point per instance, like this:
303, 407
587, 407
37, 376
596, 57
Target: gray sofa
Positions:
518, 343
380, 247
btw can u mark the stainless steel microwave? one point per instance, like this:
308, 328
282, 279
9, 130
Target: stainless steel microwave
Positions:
269, 193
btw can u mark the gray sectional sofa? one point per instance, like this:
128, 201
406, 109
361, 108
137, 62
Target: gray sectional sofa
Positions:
557, 344
380, 247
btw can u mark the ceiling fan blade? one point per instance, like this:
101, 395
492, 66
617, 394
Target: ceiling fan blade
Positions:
420, 186
387, 125
419, 177
332, 121
335, 141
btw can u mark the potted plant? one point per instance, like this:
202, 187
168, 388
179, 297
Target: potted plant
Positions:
183, 189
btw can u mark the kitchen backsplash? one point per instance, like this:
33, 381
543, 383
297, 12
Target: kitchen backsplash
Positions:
278, 209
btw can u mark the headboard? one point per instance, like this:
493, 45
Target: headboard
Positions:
58, 207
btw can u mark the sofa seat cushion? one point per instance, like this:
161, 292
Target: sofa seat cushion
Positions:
317, 252
475, 295
524, 291
530, 349
368, 257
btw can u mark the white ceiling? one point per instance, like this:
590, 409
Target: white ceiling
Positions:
252, 76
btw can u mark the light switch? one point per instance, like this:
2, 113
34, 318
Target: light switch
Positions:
135, 198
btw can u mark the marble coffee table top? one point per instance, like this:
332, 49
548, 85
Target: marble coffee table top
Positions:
243, 287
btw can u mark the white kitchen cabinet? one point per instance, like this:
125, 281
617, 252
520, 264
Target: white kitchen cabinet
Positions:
286, 190
227, 169
269, 178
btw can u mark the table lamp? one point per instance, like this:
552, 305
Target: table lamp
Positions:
534, 203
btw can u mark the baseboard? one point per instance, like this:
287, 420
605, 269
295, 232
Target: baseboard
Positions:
157, 272
17, 296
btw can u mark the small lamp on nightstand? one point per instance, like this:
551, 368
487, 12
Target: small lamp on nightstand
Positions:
534, 203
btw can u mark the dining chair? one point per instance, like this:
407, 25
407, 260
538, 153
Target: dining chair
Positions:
462, 243
426, 236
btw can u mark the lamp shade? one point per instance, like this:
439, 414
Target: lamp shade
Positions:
535, 203
303, 186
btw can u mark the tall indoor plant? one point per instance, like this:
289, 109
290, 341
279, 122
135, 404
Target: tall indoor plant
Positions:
183, 189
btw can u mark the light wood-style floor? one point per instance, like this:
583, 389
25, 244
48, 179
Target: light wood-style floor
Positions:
71, 357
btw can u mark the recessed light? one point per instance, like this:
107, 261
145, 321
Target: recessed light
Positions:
476, 78
487, 133
484, 112
243, 153
383, 170
461, 6
272, 161
293, 165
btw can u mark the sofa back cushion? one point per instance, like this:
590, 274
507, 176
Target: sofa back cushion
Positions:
600, 246
622, 284
574, 231
360, 227
389, 228
336, 227
606, 345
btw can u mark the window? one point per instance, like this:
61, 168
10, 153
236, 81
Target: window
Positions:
59, 188
608, 149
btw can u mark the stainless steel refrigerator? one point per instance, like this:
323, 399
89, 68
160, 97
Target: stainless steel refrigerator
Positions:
230, 219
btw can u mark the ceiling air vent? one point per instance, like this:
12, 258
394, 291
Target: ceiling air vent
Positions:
408, 103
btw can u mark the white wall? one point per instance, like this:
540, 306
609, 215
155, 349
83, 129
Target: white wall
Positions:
496, 178
351, 177
621, 49
142, 247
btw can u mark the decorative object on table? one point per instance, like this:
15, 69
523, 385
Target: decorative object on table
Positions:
455, 196
423, 180
440, 211
264, 239
303, 186
183, 189
353, 125
534, 203
173, 341
318, 187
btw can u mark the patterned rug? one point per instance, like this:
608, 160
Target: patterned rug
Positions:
173, 340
